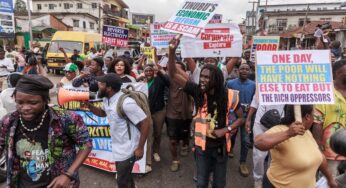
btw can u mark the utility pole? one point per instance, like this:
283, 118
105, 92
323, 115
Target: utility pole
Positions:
100, 16
306, 17
30, 22
264, 16
253, 16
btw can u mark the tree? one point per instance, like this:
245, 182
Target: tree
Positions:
20, 7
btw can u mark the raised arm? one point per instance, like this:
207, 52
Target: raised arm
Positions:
231, 63
67, 60
173, 72
267, 141
191, 64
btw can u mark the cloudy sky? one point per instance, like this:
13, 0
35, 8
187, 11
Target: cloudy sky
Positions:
231, 9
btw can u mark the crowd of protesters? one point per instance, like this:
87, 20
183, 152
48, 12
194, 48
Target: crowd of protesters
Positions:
213, 98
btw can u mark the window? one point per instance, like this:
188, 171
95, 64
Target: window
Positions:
39, 7
326, 19
66, 6
325, 8
92, 25
281, 24
75, 23
84, 25
301, 22
93, 5
79, 5
71, 5
51, 6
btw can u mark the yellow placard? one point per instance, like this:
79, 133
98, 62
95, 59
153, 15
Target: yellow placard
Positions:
149, 52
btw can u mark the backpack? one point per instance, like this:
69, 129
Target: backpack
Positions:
141, 100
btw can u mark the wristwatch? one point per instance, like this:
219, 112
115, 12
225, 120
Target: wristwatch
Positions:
229, 128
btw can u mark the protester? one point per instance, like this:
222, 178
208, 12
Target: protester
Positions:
178, 119
258, 155
293, 143
246, 88
210, 138
156, 87
330, 118
10, 54
70, 70
108, 63
75, 56
20, 59
7, 94
41, 142
125, 150
122, 67
92, 54
34, 65
335, 48
6, 67
88, 76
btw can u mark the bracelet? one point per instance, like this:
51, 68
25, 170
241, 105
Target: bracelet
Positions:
69, 175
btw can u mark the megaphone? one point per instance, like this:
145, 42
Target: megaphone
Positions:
65, 96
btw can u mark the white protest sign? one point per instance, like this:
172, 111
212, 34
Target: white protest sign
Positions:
294, 77
160, 38
216, 40
191, 17
264, 43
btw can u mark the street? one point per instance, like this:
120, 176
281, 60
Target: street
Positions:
161, 176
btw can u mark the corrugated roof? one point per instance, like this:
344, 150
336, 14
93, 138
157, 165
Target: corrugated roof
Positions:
309, 29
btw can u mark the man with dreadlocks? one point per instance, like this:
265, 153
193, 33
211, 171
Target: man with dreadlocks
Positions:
213, 103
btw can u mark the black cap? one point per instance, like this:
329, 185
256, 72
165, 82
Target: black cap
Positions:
34, 84
111, 79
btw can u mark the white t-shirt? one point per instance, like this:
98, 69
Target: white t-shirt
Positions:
197, 72
9, 67
11, 55
7, 100
122, 147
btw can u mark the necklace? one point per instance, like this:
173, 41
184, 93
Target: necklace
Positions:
36, 128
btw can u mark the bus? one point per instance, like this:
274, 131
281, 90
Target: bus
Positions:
70, 40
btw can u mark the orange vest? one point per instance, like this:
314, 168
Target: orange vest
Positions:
202, 121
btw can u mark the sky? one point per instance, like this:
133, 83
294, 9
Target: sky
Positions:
234, 10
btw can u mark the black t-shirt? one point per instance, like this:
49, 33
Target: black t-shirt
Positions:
157, 92
194, 90
32, 149
74, 58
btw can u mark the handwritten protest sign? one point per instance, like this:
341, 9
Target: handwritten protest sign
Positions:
216, 40
160, 38
115, 36
264, 43
100, 133
192, 17
149, 52
294, 77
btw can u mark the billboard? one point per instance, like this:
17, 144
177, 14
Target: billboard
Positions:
6, 19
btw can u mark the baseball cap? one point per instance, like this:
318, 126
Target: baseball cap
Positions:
71, 67
111, 79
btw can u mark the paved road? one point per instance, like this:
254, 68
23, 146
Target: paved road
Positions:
161, 176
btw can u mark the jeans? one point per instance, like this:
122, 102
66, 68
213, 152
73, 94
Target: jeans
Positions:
258, 155
211, 161
158, 121
124, 173
243, 144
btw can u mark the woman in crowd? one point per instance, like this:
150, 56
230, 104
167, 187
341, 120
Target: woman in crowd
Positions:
20, 58
294, 152
122, 68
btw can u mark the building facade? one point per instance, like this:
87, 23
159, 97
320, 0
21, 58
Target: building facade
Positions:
280, 18
85, 15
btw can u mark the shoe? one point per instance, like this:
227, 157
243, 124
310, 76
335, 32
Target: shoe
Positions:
148, 168
184, 151
258, 184
175, 166
231, 154
157, 157
244, 170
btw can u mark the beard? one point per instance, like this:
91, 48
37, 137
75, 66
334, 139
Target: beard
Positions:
101, 94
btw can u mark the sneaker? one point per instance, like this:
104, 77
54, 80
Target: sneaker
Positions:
175, 166
148, 168
184, 151
244, 170
231, 154
258, 184
157, 157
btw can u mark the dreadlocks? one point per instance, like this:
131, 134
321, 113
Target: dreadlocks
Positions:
218, 99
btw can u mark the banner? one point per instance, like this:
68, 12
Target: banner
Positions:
294, 77
7, 29
115, 36
216, 40
149, 52
160, 38
99, 130
264, 43
217, 18
192, 17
